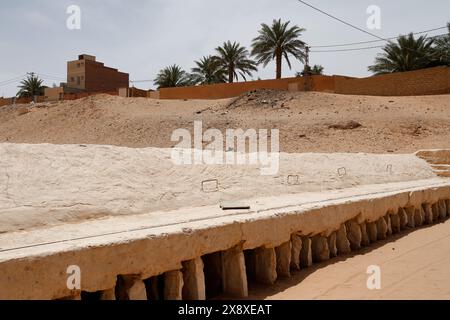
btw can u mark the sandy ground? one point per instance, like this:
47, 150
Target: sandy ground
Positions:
413, 266
388, 124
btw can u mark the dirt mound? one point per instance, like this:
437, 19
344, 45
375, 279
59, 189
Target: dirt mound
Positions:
400, 124
261, 98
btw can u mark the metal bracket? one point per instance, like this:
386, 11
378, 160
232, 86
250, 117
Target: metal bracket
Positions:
293, 180
389, 168
211, 185
342, 172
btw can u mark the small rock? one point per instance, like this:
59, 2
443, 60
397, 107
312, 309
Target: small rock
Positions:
349, 125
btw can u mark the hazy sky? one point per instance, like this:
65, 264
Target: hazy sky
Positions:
140, 37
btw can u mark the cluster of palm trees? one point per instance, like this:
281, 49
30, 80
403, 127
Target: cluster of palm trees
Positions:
410, 53
282, 41
231, 60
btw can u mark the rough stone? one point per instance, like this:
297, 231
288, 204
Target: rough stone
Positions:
320, 251
194, 280
283, 254
265, 265
382, 229
173, 285
108, 294
342, 243
332, 245
442, 209
372, 231
428, 219
419, 216
403, 218
354, 235
306, 253
447, 202
395, 223
234, 274
436, 211
387, 217
411, 215
365, 240
131, 288
296, 248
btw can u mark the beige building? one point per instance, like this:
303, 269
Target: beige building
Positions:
88, 75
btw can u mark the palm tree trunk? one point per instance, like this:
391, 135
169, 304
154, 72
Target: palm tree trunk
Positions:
230, 74
278, 57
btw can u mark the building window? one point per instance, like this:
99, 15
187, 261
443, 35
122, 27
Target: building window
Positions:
78, 81
78, 65
72, 79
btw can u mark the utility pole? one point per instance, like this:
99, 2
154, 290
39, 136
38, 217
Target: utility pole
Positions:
307, 71
34, 96
307, 59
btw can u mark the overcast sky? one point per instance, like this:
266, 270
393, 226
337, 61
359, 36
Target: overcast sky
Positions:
140, 37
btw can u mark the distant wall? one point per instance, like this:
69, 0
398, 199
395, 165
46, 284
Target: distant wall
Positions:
10, 101
135, 92
5, 101
153, 94
226, 90
420, 82
53, 94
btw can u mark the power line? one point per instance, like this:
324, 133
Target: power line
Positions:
44, 76
340, 20
10, 81
50, 77
353, 26
142, 80
351, 49
372, 41
372, 47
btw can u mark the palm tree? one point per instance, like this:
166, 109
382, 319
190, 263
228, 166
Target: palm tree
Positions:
209, 71
30, 87
234, 59
406, 55
442, 49
317, 69
276, 42
172, 76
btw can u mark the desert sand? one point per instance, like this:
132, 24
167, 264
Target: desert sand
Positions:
413, 266
95, 152
306, 121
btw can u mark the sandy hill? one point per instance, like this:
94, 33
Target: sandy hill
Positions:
308, 122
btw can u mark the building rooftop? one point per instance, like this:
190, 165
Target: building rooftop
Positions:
86, 57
